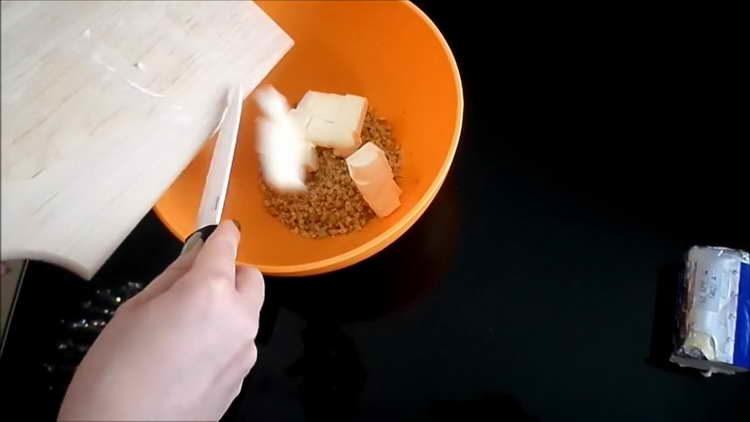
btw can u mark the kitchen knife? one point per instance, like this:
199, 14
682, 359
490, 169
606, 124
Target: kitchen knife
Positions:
217, 179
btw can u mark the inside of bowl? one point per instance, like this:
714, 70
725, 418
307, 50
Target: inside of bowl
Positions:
384, 51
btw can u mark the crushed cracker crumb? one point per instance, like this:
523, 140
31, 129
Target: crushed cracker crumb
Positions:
332, 205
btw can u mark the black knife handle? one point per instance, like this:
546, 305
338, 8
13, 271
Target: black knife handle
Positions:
198, 238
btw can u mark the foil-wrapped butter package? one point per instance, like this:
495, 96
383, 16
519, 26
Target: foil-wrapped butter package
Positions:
714, 311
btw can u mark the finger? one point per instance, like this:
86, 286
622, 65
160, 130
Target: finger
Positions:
239, 365
251, 287
218, 254
166, 279
228, 380
248, 360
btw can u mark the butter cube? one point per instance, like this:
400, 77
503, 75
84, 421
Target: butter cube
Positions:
333, 121
284, 153
310, 157
371, 173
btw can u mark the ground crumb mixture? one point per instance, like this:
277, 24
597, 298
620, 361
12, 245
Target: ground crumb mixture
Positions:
332, 204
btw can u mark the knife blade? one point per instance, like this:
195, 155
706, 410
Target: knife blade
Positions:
219, 171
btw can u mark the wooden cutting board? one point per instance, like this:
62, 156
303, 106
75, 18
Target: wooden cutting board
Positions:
104, 104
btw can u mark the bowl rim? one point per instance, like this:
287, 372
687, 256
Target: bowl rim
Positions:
384, 239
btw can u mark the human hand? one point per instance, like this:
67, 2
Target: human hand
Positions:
180, 349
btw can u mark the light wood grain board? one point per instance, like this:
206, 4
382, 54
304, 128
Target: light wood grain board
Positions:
104, 104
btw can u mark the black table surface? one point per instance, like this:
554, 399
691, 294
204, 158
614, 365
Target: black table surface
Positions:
597, 147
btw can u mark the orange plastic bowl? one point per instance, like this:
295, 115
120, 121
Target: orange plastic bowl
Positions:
389, 52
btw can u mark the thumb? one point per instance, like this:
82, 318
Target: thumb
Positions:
251, 287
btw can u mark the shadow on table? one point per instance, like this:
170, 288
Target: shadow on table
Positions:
488, 407
330, 374
664, 323
664, 334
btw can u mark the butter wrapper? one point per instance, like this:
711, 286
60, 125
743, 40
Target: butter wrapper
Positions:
714, 312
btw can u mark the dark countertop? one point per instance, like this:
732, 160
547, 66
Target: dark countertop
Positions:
537, 285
